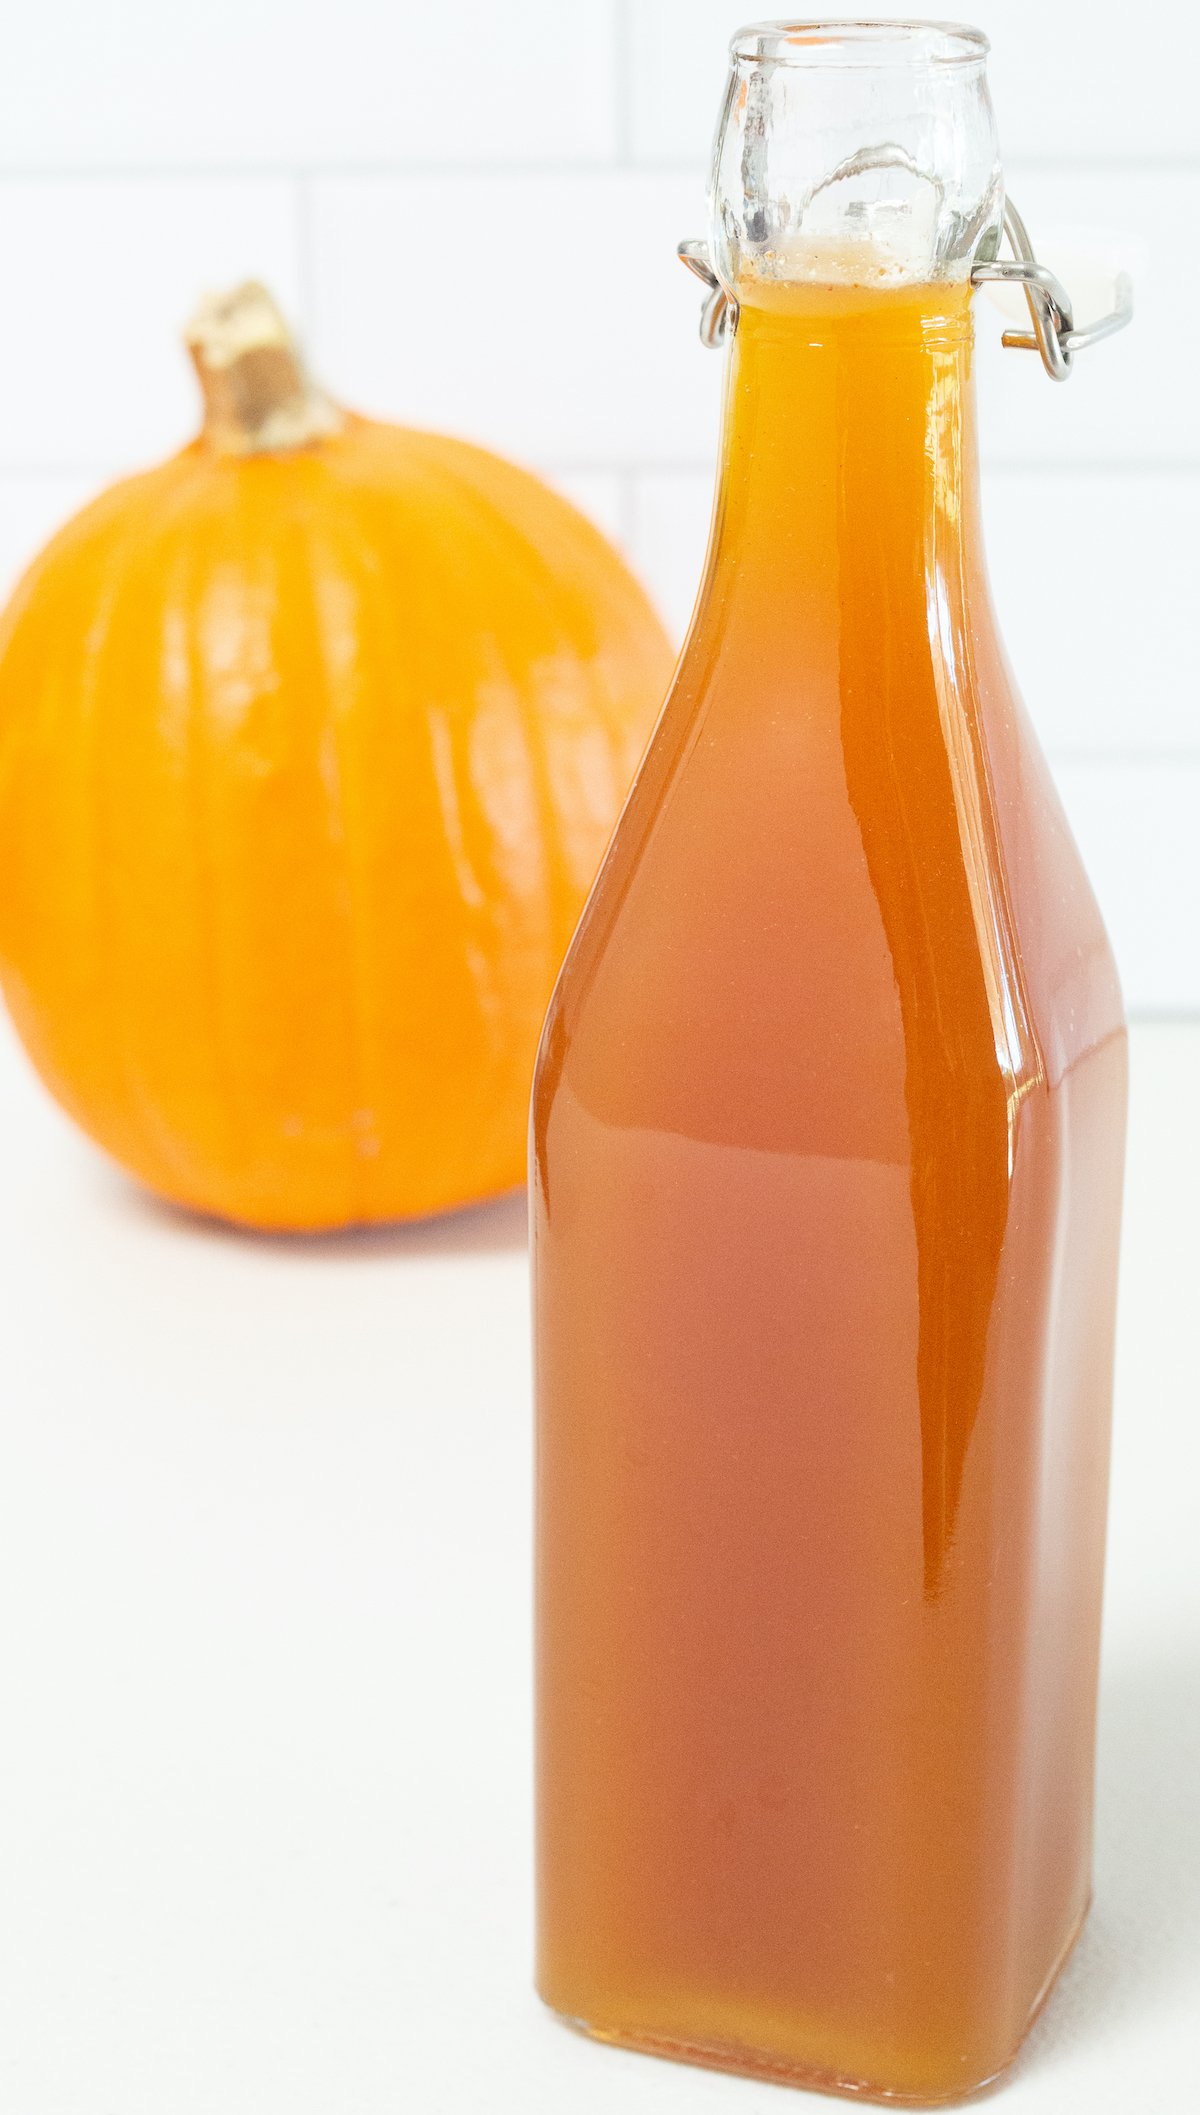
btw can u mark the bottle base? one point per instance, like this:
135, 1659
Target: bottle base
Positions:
747, 2062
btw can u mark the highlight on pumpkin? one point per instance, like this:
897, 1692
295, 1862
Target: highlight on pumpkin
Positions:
311, 739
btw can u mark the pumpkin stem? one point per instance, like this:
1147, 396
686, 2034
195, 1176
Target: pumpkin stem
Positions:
258, 396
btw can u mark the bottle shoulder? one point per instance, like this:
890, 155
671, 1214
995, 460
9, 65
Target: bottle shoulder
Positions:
795, 912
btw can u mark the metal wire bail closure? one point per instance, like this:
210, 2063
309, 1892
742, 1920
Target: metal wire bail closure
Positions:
715, 315
1053, 335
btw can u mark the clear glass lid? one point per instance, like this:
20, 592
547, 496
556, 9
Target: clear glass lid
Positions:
857, 151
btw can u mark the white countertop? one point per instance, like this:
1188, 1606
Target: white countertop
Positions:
264, 1683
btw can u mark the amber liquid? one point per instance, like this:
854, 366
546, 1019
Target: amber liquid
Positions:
828, 1130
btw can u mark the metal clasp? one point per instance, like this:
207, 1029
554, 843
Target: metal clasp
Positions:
1054, 335
719, 312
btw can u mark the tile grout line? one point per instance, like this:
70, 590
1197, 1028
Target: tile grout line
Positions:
1089, 466
690, 466
587, 165
1123, 759
699, 466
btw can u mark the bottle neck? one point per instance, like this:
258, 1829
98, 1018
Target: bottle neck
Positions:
848, 482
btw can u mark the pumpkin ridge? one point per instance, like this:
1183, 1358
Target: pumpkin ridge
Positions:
494, 538
221, 512
492, 479
515, 552
408, 686
307, 699
362, 1167
138, 1136
458, 796
559, 588
368, 576
150, 1137
551, 592
226, 1071
547, 594
94, 517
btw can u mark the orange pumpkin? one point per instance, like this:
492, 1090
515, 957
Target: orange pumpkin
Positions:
310, 742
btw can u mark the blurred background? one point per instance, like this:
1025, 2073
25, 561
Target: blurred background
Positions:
471, 211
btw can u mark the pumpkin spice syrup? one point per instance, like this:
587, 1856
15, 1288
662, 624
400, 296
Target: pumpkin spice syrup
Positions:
828, 1145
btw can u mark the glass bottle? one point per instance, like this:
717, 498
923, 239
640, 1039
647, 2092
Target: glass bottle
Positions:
828, 1135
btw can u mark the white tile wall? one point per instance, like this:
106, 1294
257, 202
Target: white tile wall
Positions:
1135, 821
1076, 79
1093, 574
1094, 577
545, 316
672, 510
472, 210
98, 274
153, 84
1136, 401
32, 505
